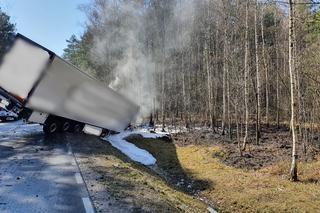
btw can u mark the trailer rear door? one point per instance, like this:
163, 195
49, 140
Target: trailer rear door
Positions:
21, 67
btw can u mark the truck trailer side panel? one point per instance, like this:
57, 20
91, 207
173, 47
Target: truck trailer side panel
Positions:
51, 85
67, 92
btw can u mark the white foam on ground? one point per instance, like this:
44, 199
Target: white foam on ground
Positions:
133, 152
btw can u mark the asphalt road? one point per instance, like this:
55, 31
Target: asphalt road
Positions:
40, 174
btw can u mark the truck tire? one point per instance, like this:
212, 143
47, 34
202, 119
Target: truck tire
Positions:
51, 126
105, 132
66, 126
76, 127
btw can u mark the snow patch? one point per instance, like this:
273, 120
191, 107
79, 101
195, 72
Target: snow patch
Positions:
169, 129
147, 134
133, 152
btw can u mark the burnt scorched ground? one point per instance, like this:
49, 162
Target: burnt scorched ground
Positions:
275, 146
209, 166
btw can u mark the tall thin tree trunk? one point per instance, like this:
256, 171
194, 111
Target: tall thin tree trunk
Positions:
216, 71
237, 126
278, 101
257, 75
228, 105
209, 86
246, 79
293, 169
185, 117
278, 67
208, 69
224, 77
265, 67
162, 96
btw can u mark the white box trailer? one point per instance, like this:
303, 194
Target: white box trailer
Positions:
58, 95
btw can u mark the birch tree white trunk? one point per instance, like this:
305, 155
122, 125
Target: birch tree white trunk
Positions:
246, 78
293, 169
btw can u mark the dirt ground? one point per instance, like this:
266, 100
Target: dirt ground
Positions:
210, 167
199, 169
275, 146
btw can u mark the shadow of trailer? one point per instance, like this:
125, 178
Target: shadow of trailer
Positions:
58, 95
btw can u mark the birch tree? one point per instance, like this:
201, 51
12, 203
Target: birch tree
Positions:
258, 83
225, 70
293, 169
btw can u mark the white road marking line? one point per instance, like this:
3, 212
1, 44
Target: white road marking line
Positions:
78, 178
85, 200
73, 163
211, 210
69, 150
87, 205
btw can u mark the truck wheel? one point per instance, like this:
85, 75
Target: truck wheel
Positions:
78, 128
75, 127
66, 126
104, 133
51, 127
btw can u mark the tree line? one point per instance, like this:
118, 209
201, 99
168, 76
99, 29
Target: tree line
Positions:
232, 65
7, 32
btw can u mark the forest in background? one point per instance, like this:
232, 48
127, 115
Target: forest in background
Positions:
231, 66
222, 64
193, 55
233, 73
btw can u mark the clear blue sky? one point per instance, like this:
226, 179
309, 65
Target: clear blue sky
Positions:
47, 22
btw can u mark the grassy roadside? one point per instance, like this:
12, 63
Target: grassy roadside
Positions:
237, 190
132, 185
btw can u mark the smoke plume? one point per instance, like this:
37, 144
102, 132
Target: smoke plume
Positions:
120, 43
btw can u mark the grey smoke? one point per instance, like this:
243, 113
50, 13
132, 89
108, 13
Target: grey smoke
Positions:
119, 44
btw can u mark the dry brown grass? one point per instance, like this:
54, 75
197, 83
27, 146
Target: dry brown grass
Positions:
254, 191
236, 190
131, 184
